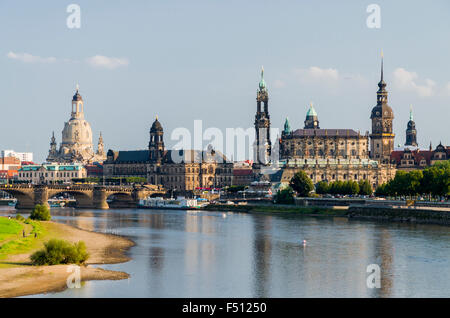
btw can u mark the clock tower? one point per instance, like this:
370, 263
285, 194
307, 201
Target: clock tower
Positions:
263, 144
382, 136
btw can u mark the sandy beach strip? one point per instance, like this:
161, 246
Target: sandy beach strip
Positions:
20, 278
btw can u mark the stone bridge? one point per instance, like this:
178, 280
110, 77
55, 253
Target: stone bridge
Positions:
86, 195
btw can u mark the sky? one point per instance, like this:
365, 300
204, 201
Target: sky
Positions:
189, 60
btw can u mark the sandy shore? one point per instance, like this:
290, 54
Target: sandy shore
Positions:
23, 279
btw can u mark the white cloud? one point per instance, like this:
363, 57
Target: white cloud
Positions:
101, 61
407, 81
28, 58
315, 73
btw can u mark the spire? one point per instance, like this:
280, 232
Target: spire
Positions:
382, 57
262, 83
411, 118
287, 126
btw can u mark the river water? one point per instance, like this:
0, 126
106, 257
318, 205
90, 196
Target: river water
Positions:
225, 254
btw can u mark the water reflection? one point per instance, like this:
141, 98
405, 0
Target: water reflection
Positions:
219, 254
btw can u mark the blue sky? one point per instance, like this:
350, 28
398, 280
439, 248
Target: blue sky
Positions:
187, 60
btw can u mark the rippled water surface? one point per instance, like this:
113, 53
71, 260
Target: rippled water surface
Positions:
224, 254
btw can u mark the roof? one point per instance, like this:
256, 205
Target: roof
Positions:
133, 156
326, 132
242, 172
52, 167
417, 154
191, 155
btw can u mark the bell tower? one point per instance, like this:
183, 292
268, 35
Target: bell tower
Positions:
382, 116
262, 124
156, 144
411, 133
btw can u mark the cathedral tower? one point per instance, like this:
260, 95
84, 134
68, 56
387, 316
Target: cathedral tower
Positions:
382, 136
311, 121
156, 144
411, 133
262, 124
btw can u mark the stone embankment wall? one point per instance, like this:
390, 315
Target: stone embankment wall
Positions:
399, 214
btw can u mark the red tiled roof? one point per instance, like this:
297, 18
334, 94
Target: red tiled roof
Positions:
417, 155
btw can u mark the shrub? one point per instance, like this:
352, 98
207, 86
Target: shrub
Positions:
60, 252
285, 196
41, 213
20, 218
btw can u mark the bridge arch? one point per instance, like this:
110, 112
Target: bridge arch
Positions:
83, 198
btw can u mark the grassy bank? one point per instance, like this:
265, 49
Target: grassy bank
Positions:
13, 242
291, 209
19, 277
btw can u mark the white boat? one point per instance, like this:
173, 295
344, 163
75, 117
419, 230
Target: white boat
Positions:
181, 203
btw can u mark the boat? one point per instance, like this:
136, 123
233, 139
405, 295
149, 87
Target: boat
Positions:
180, 203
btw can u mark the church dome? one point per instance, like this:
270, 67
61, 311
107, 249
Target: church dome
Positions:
77, 131
383, 110
156, 126
77, 97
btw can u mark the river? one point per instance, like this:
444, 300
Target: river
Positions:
225, 254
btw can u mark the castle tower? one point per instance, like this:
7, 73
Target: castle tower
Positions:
311, 121
77, 106
382, 136
262, 124
287, 127
100, 145
53, 152
411, 133
156, 144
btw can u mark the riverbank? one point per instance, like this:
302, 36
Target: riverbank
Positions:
382, 213
18, 277
278, 209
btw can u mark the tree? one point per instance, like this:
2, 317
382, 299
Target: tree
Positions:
365, 188
41, 213
285, 196
301, 184
322, 187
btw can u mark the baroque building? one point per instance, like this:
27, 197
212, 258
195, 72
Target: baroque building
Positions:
76, 145
313, 142
414, 158
179, 170
339, 154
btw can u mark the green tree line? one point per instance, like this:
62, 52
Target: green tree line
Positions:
433, 181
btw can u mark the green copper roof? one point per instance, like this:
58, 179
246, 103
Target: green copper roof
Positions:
411, 118
262, 83
311, 111
287, 126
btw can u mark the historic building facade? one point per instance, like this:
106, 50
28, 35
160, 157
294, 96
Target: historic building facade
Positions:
313, 142
180, 170
410, 158
76, 145
51, 173
339, 154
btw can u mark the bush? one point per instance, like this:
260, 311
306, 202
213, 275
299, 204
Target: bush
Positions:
41, 213
60, 252
285, 196
20, 218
